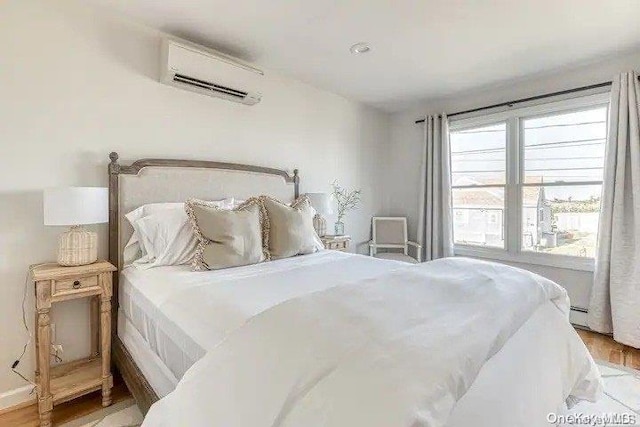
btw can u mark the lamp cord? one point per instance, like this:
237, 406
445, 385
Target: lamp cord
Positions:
15, 364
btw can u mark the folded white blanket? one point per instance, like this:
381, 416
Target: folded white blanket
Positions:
399, 349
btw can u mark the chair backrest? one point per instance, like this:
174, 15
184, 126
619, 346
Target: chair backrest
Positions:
390, 231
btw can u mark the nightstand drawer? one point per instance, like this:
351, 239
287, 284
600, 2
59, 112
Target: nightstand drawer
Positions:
76, 285
337, 245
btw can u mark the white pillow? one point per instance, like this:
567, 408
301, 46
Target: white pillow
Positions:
134, 249
162, 235
167, 237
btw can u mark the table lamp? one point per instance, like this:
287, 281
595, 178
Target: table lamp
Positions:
75, 207
321, 202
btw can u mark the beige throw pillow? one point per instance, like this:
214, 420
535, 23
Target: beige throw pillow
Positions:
228, 238
291, 229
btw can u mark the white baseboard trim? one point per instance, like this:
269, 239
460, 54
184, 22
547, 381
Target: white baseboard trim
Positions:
16, 397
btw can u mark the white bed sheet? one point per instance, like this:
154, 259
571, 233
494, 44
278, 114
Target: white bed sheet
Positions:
180, 335
523, 379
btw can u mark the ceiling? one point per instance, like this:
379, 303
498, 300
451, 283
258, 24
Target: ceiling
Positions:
419, 49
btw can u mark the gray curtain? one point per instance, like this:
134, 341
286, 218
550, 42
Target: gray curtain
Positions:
615, 297
435, 227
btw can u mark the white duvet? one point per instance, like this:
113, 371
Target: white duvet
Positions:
397, 349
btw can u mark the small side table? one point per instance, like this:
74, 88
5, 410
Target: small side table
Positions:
67, 381
336, 243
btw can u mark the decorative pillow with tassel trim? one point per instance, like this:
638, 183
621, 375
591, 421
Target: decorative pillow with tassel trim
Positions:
291, 229
229, 238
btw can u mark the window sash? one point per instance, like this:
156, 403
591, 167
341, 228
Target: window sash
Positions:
488, 124
547, 113
512, 222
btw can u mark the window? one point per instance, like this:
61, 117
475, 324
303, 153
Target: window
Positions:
478, 177
529, 182
563, 171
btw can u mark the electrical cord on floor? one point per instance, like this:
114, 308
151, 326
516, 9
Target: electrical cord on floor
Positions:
15, 364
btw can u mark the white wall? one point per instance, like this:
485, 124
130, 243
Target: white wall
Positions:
77, 83
405, 148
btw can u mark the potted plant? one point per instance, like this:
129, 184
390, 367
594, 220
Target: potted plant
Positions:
345, 201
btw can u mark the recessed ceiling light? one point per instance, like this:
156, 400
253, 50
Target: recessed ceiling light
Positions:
360, 48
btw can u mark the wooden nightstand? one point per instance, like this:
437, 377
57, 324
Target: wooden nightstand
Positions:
65, 382
336, 243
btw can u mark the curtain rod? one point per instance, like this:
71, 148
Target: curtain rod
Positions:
532, 98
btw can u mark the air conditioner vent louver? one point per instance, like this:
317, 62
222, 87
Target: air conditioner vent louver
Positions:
207, 72
210, 86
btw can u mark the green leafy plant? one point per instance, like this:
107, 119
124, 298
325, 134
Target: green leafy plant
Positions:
575, 206
345, 200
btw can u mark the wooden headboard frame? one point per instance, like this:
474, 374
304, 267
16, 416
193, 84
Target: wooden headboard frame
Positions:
132, 375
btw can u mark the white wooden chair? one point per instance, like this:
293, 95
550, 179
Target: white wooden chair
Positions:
391, 233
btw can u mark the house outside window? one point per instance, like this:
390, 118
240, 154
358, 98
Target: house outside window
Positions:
461, 217
528, 182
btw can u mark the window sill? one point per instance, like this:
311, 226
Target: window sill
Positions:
558, 261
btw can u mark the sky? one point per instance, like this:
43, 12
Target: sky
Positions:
561, 147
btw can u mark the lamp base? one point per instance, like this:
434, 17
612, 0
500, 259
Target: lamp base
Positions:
320, 225
77, 247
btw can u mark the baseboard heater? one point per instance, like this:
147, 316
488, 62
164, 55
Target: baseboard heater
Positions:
578, 317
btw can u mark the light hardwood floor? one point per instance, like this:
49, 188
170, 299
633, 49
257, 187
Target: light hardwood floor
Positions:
28, 416
602, 347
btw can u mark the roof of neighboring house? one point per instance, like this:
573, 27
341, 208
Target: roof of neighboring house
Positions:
491, 197
479, 197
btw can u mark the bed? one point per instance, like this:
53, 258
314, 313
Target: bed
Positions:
173, 323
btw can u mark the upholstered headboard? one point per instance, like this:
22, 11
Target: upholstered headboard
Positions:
167, 180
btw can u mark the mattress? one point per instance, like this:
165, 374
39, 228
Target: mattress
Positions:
161, 379
180, 337
145, 325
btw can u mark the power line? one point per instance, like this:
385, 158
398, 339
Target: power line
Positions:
528, 147
472, 131
560, 158
534, 159
578, 142
530, 170
564, 125
538, 184
563, 169
569, 183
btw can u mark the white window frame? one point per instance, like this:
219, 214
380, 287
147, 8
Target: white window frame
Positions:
512, 251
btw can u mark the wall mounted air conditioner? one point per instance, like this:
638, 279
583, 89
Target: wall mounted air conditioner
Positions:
192, 67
